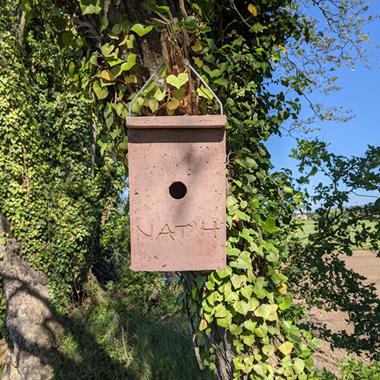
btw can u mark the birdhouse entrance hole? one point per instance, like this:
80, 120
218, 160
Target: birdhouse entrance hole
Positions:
177, 190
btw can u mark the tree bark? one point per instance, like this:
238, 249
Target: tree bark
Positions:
153, 50
33, 328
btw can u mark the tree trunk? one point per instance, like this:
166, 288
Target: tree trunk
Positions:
30, 319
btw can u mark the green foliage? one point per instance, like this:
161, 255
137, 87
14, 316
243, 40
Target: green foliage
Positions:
242, 60
53, 187
107, 339
337, 230
356, 370
60, 189
351, 369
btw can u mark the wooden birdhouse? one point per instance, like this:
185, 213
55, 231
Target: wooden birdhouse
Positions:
177, 180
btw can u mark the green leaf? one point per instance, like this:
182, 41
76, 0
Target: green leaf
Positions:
286, 348
124, 144
224, 322
128, 40
91, 9
247, 291
235, 329
224, 272
107, 49
267, 312
286, 302
248, 340
140, 30
173, 105
270, 225
243, 261
241, 307
153, 104
177, 81
100, 92
191, 23
261, 331
221, 311
268, 349
204, 92
159, 95
298, 365
107, 75
237, 280
103, 24
131, 61
258, 288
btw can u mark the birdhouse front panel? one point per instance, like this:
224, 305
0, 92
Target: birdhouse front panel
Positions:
177, 184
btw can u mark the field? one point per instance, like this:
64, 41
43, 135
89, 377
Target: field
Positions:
309, 227
367, 264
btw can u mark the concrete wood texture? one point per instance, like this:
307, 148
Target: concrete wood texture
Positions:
177, 194
179, 122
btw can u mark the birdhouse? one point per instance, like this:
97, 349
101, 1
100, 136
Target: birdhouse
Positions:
177, 186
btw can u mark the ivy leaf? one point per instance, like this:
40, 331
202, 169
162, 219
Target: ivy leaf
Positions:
224, 322
153, 104
198, 62
128, 40
298, 365
286, 348
249, 325
224, 272
90, 9
100, 92
268, 349
103, 24
221, 311
243, 261
107, 49
283, 289
131, 61
249, 340
130, 79
247, 291
159, 95
258, 288
140, 30
270, 225
237, 281
173, 105
286, 302
241, 307
261, 331
177, 81
267, 312
107, 75
235, 329
204, 92
202, 325
252, 9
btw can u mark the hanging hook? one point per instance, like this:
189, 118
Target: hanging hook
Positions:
156, 72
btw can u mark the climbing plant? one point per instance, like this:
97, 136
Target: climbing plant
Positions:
338, 230
243, 319
54, 189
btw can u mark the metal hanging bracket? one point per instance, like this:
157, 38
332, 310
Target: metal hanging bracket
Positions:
154, 75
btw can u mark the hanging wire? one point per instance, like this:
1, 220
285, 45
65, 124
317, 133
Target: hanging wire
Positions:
154, 75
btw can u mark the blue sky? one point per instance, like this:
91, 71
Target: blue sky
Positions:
360, 93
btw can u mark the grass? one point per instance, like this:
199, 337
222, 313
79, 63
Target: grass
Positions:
111, 341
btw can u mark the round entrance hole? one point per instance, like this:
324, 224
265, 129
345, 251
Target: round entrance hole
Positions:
177, 190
